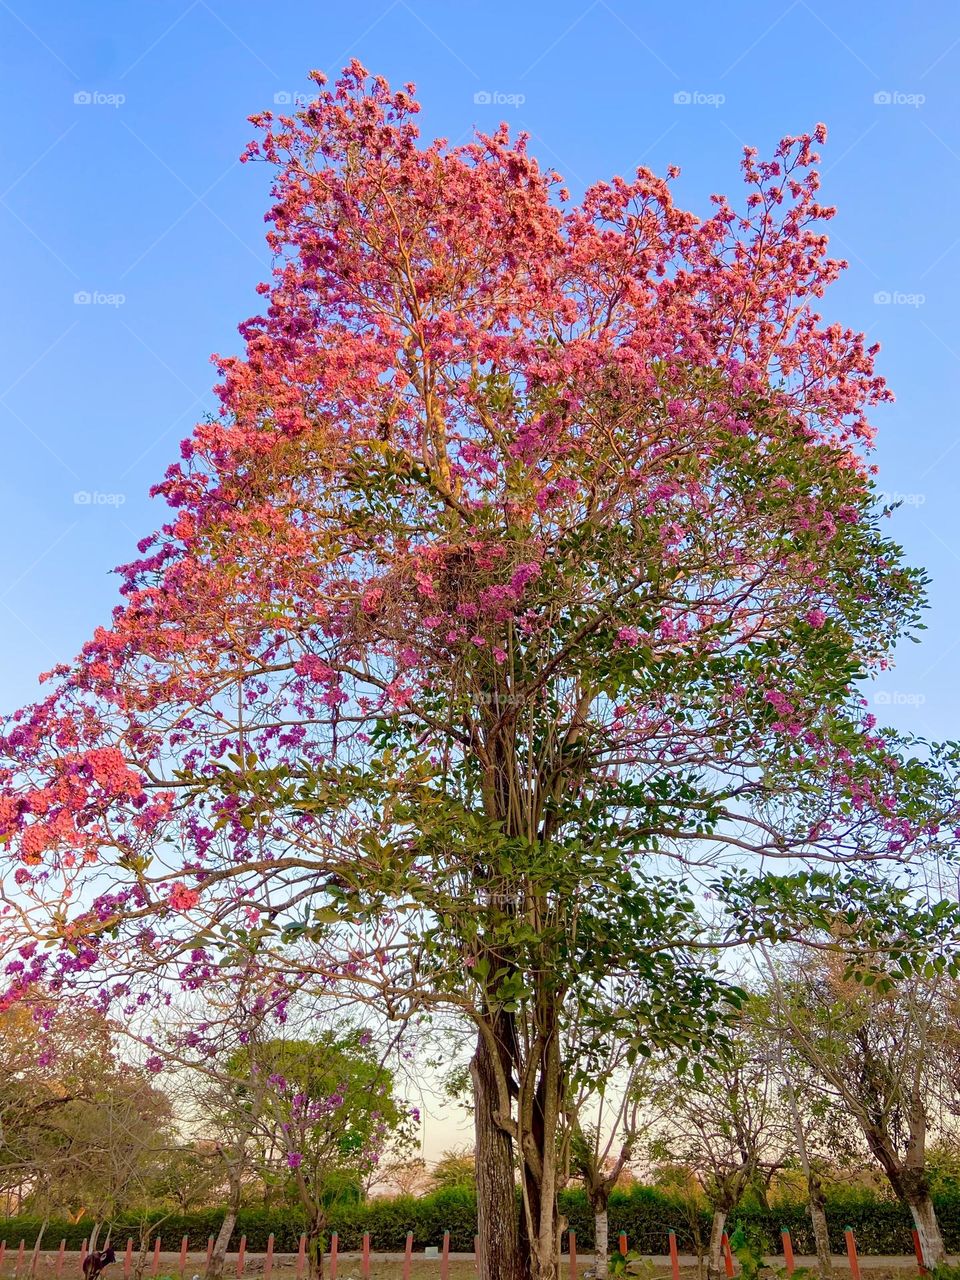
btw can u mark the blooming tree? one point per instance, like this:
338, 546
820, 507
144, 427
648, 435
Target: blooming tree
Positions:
520, 588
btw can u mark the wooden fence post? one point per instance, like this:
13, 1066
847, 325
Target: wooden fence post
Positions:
156, 1257
573, 1255
476, 1253
242, 1250
301, 1256
366, 1255
787, 1250
918, 1250
852, 1253
408, 1256
183, 1253
674, 1257
268, 1264
127, 1258
334, 1255
727, 1255
445, 1257
19, 1259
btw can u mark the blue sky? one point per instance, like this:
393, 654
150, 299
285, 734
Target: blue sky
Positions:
136, 198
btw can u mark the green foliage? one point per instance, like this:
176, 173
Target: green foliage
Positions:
748, 1249
643, 1214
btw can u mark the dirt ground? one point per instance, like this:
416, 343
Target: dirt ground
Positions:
386, 1266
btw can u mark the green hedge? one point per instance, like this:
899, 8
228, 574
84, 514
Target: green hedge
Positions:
881, 1227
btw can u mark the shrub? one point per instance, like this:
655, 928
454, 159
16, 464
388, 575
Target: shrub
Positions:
644, 1214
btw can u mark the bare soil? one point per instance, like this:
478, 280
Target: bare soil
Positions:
384, 1266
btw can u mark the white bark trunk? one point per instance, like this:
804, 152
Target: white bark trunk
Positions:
602, 1245
715, 1267
928, 1229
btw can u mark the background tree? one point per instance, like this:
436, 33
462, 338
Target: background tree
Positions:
724, 1121
455, 1170
881, 1049
79, 1128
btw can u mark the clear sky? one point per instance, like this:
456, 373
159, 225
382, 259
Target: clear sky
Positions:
123, 123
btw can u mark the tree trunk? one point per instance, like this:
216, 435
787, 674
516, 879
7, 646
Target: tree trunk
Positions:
222, 1243
818, 1217
715, 1269
928, 1229
315, 1249
500, 1256
538, 1122
910, 1183
602, 1242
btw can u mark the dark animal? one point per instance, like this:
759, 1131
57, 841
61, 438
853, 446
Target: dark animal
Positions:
94, 1263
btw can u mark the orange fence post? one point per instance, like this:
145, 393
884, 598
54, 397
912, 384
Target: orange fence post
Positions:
301, 1256
573, 1255
268, 1264
183, 1253
128, 1258
3, 1250
209, 1249
408, 1256
19, 1258
60, 1251
366, 1255
787, 1250
445, 1257
156, 1257
240, 1252
918, 1250
674, 1257
727, 1255
83, 1254
852, 1253
334, 1253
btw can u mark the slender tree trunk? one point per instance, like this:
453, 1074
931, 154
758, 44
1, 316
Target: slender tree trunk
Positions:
315, 1229
222, 1243
601, 1242
36, 1247
500, 1257
818, 1217
715, 1255
538, 1121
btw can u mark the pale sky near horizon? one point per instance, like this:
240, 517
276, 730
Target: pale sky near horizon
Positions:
121, 183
